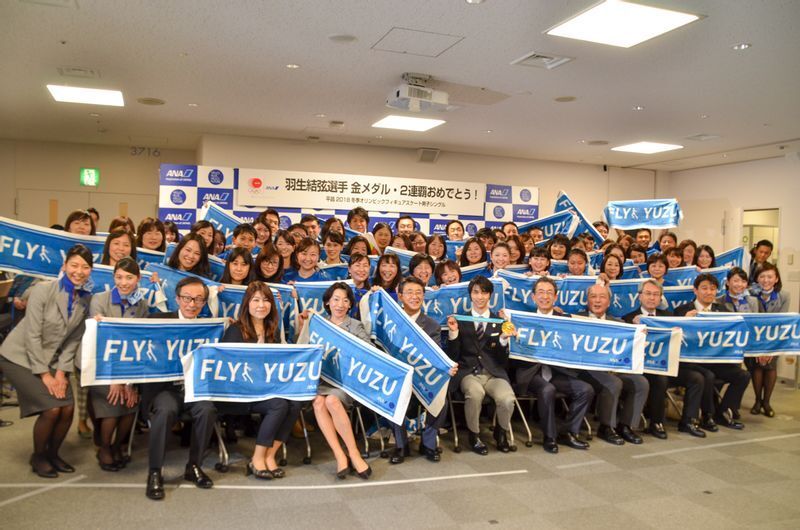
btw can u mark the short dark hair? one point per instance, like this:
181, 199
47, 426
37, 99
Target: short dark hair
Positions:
637, 248
442, 266
650, 232
545, 279
267, 252
82, 252
148, 224
539, 252
657, 258
80, 215
417, 259
128, 264
93, 210
326, 297
303, 245
306, 218
512, 223
481, 282
245, 228
334, 237
598, 224
737, 271
706, 277
487, 233
578, 252
357, 211
407, 280
413, 222
191, 280
117, 234
298, 226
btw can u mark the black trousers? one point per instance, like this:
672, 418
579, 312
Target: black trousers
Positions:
712, 373
165, 401
694, 383
579, 395
277, 419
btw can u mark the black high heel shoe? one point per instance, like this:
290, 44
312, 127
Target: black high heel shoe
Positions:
756, 410
364, 475
260, 474
112, 467
341, 474
768, 412
42, 467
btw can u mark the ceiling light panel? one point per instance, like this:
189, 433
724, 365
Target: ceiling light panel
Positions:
407, 123
647, 148
88, 96
622, 24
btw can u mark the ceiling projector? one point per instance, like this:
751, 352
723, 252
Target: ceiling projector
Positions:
415, 98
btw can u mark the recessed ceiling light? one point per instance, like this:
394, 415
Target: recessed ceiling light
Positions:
407, 123
581, 141
94, 114
153, 102
638, 107
647, 148
292, 66
741, 46
565, 99
342, 38
193, 104
379, 137
488, 131
320, 115
622, 24
184, 54
703, 116
88, 96
474, 2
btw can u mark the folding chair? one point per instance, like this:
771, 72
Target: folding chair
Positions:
457, 398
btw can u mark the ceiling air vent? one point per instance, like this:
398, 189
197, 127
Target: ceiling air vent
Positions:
78, 71
541, 60
702, 137
427, 155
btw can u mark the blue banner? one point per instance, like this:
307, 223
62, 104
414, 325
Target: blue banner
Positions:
403, 255
454, 299
103, 280
470, 271
169, 278
564, 222
136, 350
222, 220
334, 273
371, 377
770, 333
734, 258
662, 351
707, 339
518, 292
145, 257
679, 276
677, 296
408, 343
309, 295
37, 251
572, 293
563, 202
624, 297
648, 213
630, 272
582, 343
453, 247
252, 372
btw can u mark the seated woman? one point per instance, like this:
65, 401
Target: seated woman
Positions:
763, 370
258, 323
330, 405
239, 269
39, 354
114, 406
191, 256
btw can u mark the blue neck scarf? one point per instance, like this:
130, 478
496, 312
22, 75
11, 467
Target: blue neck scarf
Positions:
66, 285
126, 300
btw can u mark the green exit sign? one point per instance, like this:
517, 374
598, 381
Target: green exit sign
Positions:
90, 176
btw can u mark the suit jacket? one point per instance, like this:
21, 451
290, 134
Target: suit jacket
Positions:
752, 304
234, 334
47, 338
633, 314
681, 310
101, 305
431, 327
469, 352
167, 314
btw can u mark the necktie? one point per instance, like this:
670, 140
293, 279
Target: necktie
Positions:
547, 373
481, 330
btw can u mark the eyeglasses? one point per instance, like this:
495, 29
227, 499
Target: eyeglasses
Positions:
199, 300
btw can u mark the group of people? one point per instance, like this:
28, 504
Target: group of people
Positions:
43, 349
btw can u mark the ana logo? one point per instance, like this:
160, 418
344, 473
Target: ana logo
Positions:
527, 212
525, 195
499, 212
183, 173
221, 197
178, 197
215, 177
178, 217
472, 228
498, 193
256, 182
439, 227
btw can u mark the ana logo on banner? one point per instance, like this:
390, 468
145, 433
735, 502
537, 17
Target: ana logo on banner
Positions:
408, 343
650, 213
252, 372
707, 340
38, 251
134, 350
370, 376
586, 344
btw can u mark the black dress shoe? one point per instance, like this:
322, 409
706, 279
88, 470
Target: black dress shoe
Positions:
731, 424
550, 445
155, 485
501, 440
571, 440
42, 467
657, 430
194, 474
608, 434
735, 414
477, 445
708, 424
692, 429
60, 465
628, 435
431, 454
260, 474
399, 455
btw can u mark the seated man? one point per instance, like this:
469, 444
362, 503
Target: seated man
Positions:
705, 292
543, 381
481, 351
632, 388
411, 293
164, 401
650, 292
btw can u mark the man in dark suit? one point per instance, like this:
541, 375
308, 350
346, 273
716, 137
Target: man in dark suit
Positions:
543, 381
164, 402
650, 293
631, 388
481, 350
411, 294
705, 292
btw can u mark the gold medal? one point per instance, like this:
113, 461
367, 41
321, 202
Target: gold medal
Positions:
508, 328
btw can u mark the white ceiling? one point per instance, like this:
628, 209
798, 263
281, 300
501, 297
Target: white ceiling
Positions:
229, 58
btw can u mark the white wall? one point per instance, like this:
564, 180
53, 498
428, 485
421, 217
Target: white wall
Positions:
33, 174
709, 195
588, 185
